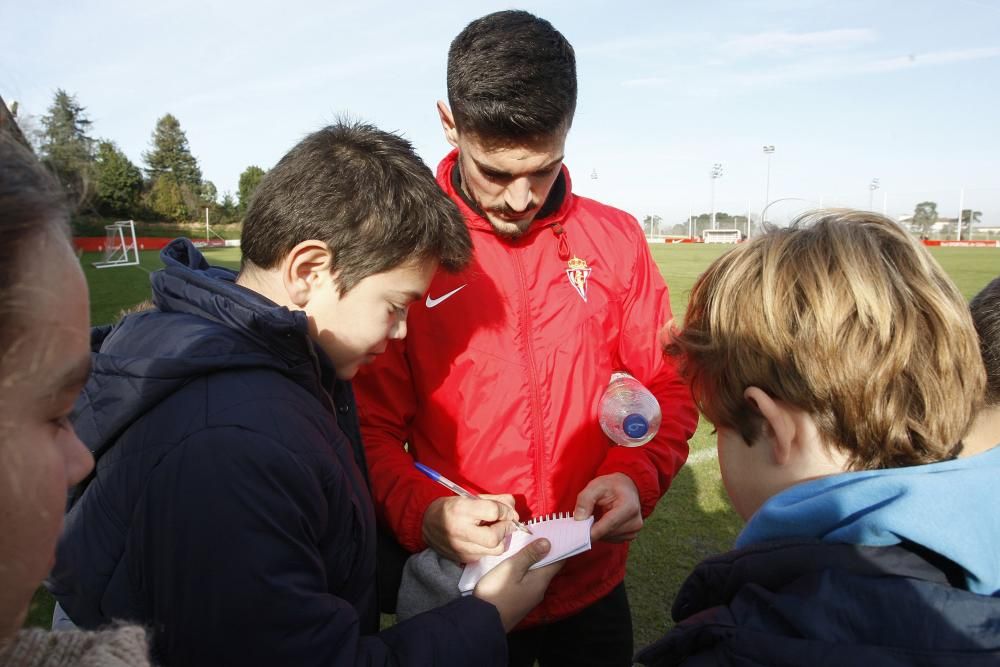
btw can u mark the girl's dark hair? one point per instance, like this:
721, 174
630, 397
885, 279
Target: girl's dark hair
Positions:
32, 204
985, 308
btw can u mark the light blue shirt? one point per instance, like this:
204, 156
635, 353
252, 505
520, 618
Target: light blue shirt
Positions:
952, 508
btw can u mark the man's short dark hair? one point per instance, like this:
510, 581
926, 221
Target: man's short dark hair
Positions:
511, 75
985, 308
366, 194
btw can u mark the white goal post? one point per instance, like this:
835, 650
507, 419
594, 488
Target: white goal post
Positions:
722, 236
120, 247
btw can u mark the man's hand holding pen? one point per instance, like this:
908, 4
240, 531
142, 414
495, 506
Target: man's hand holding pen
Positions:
466, 529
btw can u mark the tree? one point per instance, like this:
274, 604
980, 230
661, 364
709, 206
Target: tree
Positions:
249, 180
925, 216
228, 204
171, 155
166, 198
118, 181
65, 146
227, 209
209, 193
651, 225
969, 218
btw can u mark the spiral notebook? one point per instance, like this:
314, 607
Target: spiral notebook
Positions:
568, 536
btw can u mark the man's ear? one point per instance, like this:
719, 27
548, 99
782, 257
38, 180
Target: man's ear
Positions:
305, 267
448, 123
779, 427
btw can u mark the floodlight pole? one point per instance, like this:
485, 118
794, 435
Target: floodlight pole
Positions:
206, 226
768, 151
961, 205
872, 187
748, 218
714, 175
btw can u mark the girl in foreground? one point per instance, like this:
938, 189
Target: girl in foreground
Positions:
44, 360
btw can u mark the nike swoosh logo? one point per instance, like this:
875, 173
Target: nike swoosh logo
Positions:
430, 303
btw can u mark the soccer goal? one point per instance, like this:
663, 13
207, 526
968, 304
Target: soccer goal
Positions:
722, 236
120, 247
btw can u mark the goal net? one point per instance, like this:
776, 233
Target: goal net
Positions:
120, 248
722, 236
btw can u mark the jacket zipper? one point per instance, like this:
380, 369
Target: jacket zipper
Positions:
536, 411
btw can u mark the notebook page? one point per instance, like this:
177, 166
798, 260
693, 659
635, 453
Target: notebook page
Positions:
568, 537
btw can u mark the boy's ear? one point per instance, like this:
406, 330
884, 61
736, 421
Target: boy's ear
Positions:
304, 268
447, 123
779, 424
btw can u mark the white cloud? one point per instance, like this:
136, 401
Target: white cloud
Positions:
815, 69
787, 43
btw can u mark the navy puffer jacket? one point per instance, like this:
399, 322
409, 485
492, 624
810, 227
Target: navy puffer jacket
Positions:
228, 510
817, 604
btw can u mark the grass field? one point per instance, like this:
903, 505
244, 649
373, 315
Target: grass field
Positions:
692, 521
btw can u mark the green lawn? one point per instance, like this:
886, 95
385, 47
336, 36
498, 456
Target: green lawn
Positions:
115, 289
692, 521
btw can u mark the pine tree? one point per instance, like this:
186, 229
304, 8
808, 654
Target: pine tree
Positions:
171, 155
65, 146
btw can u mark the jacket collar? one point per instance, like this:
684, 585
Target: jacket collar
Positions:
554, 213
894, 505
188, 284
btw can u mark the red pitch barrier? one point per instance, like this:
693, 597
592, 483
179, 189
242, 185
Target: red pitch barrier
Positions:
962, 244
96, 243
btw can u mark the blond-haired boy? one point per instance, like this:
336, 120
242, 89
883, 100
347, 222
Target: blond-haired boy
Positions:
840, 366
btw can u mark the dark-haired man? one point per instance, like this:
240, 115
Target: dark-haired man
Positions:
498, 384
229, 510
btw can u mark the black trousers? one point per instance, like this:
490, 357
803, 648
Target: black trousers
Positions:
600, 635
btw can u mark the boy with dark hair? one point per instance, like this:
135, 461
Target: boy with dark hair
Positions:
229, 509
840, 367
985, 308
497, 387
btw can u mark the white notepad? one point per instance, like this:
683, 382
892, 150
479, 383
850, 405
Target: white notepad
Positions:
568, 537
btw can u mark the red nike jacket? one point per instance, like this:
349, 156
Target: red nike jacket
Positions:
497, 383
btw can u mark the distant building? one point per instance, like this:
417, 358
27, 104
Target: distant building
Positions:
8, 124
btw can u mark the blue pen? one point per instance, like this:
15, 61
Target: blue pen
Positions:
456, 489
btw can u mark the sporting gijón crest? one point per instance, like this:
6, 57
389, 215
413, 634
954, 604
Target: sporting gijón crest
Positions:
578, 273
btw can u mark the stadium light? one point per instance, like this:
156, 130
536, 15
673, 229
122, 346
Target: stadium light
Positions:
768, 151
872, 187
714, 174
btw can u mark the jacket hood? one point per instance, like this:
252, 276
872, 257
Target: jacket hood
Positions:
149, 355
946, 507
474, 218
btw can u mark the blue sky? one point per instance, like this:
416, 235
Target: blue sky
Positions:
846, 91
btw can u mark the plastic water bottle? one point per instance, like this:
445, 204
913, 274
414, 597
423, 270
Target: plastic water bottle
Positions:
628, 413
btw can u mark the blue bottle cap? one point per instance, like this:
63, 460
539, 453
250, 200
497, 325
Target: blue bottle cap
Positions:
635, 425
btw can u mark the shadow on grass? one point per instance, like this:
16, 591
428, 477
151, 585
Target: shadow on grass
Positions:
691, 522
